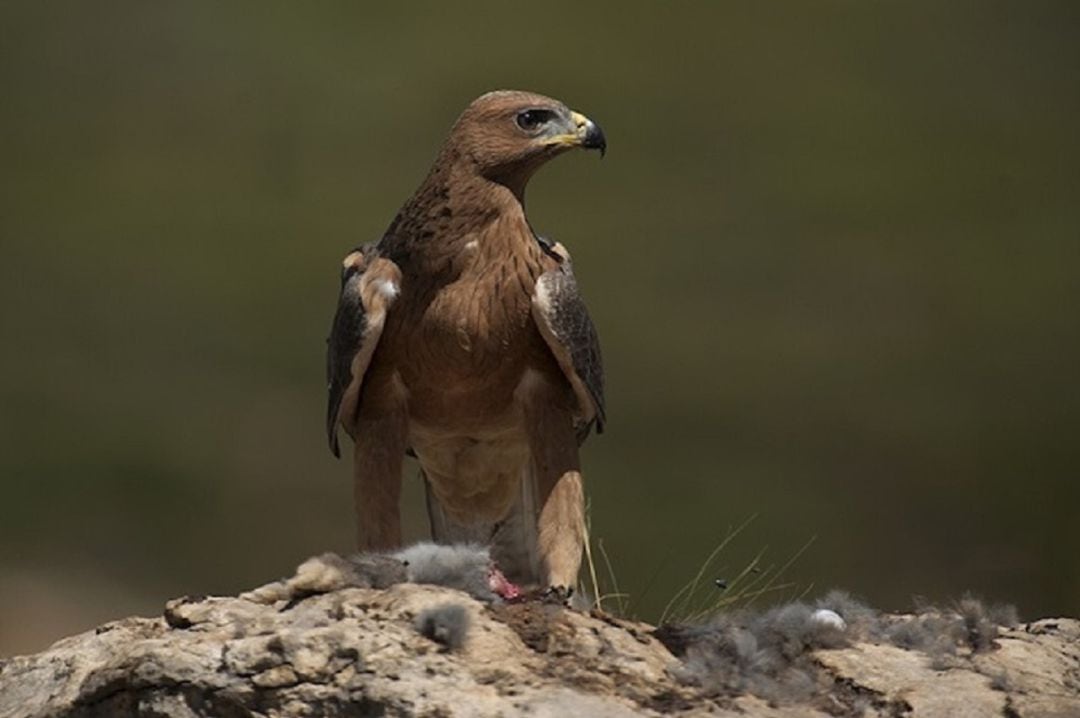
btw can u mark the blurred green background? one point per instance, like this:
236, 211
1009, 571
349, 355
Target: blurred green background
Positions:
833, 255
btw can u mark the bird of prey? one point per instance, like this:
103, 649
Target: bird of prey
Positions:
460, 337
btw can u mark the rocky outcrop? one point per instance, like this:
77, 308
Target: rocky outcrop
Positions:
325, 643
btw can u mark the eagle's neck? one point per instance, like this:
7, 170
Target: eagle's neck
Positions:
459, 220
469, 264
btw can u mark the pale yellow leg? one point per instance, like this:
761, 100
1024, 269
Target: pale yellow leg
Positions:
560, 490
377, 462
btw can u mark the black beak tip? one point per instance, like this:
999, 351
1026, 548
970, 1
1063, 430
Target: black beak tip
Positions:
595, 140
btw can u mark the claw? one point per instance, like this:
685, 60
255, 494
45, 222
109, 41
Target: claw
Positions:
558, 594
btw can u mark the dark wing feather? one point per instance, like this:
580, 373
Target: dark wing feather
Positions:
565, 323
346, 337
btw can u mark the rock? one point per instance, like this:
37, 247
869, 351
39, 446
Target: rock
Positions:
319, 645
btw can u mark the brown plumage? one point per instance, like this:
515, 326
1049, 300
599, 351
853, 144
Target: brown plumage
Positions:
461, 336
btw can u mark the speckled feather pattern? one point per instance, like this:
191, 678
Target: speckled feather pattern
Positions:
571, 324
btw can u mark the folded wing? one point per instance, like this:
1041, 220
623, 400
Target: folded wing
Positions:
560, 313
369, 285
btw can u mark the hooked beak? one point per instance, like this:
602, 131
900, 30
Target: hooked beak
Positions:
582, 132
589, 134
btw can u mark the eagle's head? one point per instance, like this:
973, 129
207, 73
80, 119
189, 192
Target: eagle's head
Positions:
507, 135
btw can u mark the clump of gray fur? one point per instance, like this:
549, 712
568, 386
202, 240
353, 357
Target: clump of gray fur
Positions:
466, 567
768, 653
446, 624
943, 633
330, 572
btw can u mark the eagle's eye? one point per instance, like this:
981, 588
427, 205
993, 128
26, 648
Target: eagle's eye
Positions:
529, 120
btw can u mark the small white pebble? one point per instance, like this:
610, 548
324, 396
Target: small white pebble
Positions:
829, 618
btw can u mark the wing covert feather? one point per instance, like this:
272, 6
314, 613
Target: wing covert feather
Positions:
369, 284
565, 324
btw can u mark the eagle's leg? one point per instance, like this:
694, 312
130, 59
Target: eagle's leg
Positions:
380, 449
561, 527
559, 489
